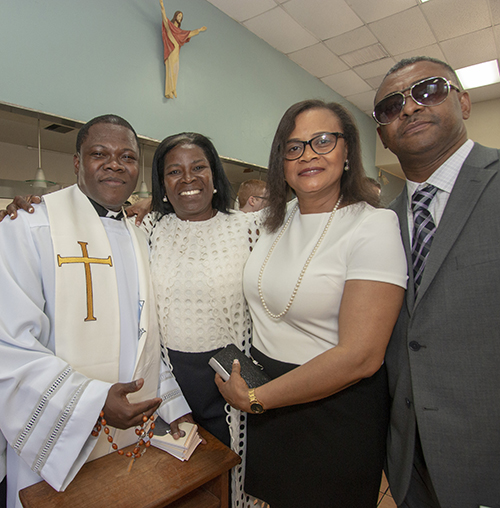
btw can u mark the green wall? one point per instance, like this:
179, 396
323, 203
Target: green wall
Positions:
82, 58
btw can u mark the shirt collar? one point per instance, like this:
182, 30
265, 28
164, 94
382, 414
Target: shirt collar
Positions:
445, 176
104, 212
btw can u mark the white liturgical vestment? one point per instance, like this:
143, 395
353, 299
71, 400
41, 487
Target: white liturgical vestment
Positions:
60, 355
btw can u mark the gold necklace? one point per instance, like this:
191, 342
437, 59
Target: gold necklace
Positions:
299, 280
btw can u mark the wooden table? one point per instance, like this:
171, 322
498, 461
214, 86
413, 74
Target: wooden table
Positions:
156, 480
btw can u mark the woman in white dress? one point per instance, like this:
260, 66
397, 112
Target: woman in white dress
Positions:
324, 284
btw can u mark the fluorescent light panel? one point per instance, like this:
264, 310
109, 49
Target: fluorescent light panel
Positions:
481, 74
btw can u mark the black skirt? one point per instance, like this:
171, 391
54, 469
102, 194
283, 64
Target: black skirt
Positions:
327, 453
196, 379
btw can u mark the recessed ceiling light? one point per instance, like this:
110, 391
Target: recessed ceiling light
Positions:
481, 74
423, 1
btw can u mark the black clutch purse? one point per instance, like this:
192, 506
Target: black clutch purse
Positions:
251, 371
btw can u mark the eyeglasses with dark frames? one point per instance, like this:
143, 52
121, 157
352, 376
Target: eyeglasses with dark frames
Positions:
321, 144
427, 92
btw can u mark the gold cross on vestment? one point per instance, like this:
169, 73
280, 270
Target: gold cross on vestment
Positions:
88, 276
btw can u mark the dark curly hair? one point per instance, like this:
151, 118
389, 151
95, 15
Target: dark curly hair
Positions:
353, 185
221, 200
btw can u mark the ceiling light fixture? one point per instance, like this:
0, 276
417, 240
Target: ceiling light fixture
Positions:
481, 74
40, 181
143, 189
383, 180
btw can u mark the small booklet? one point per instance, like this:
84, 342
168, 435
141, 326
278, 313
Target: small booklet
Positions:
181, 448
251, 372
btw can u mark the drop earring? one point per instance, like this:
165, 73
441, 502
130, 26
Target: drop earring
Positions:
346, 165
215, 191
165, 199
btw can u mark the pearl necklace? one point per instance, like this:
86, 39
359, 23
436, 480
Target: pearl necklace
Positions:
299, 280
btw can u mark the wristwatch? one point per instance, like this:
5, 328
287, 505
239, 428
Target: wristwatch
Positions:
255, 405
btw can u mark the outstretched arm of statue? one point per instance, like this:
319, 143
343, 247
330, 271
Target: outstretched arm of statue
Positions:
196, 32
164, 15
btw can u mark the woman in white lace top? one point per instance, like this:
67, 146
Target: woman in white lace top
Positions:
198, 251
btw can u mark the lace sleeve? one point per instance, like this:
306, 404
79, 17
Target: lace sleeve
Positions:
254, 227
148, 224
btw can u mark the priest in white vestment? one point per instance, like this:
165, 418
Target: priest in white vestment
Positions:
78, 325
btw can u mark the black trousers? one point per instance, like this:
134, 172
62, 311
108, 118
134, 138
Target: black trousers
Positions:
3, 493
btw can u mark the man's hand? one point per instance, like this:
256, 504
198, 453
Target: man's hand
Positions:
174, 427
20, 203
140, 209
120, 413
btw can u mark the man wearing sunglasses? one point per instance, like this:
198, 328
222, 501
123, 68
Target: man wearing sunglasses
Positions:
444, 377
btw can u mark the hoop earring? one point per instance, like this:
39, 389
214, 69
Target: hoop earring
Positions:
165, 199
346, 165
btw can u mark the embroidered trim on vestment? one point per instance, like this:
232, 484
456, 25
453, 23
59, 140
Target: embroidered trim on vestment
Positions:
39, 409
172, 394
58, 427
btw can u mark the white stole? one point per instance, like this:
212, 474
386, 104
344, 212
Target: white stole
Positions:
87, 314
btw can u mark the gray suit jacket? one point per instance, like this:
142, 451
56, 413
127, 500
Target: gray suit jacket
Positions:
443, 359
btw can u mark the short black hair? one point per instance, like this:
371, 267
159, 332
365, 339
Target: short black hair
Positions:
221, 199
112, 119
405, 62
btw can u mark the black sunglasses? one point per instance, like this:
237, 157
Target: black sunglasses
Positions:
320, 144
428, 92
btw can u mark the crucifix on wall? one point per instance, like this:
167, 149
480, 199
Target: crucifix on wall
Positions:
173, 38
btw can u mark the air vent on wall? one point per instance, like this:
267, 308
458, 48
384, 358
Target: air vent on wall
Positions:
62, 129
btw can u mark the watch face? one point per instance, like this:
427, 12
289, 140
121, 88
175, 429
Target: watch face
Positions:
256, 408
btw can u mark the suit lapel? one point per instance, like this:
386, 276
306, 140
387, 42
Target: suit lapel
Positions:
470, 184
400, 206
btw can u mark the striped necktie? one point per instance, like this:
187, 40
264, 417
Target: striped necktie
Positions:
423, 230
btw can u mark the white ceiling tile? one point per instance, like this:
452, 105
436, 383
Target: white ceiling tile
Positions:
403, 28
318, 60
324, 18
484, 93
433, 51
470, 49
451, 18
280, 30
404, 31
496, 33
376, 81
241, 10
347, 82
364, 100
373, 69
365, 55
372, 10
495, 11
351, 41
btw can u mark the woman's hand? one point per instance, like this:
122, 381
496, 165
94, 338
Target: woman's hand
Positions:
141, 209
234, 390
20, 203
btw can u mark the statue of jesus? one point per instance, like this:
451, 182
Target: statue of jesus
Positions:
173, 38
